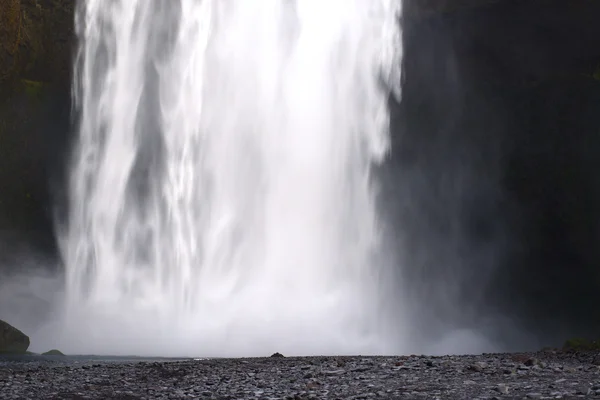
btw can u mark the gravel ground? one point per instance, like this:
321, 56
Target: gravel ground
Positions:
542, 375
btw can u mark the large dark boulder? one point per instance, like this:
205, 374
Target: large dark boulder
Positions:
12, 340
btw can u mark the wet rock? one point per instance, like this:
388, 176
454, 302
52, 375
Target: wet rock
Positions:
12, 340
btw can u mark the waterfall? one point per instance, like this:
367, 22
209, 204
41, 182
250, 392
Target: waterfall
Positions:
221, 197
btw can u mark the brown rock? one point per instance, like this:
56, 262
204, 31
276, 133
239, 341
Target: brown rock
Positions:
36, 40
10, 34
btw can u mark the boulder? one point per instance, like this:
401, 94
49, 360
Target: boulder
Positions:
12, 340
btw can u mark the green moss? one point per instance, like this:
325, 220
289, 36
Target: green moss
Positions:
33, 89
580, 344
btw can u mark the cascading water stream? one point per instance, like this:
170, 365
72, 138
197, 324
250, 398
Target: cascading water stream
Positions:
221, 198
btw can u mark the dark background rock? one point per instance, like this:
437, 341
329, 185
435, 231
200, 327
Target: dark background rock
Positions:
418, 9
493, 180
493, 173
36, 42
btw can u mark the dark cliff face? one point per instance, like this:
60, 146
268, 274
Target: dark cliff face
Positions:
494, 170
36, 39
492, 180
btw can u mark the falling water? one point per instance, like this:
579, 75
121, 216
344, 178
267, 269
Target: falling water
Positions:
221, 198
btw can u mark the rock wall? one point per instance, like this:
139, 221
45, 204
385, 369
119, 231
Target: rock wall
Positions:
10, 34
495, 163
421, 9
36, 38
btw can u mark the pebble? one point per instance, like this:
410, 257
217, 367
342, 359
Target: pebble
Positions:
547, 375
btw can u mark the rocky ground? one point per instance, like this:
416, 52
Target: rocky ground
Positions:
543, 375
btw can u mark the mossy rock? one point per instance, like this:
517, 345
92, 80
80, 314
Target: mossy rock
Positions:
34, 90
10, 35
36, 40
12, 340
581, 344
53, 352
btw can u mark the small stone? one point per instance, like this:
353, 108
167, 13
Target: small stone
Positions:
534, 395
531, 362
502, 388
334, 372
584, 390
478, 366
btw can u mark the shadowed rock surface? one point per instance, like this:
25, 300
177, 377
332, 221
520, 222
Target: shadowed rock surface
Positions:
493, 179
